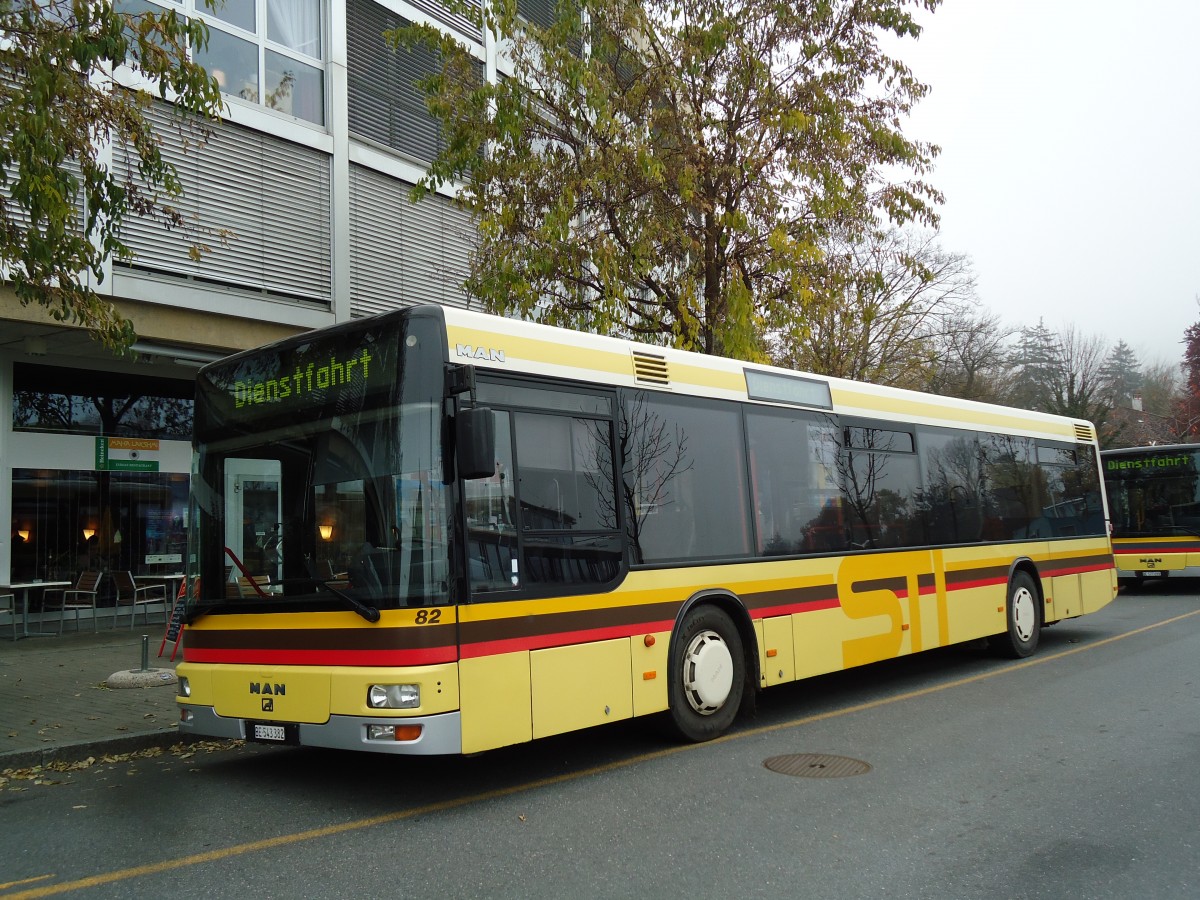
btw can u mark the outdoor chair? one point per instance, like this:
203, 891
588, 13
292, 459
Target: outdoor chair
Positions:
134, 598
244, 586
76, 599
8, 607
253, 586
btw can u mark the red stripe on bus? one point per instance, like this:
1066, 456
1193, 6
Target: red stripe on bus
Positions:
795, 608
562, 639
1180, 549
975, 583
1077, 570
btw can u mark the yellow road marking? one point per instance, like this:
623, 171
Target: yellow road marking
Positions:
12, 884
285, 840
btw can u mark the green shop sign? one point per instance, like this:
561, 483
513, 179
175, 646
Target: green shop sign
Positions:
129, 455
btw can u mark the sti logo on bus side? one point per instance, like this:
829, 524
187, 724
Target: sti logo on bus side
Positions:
484, 353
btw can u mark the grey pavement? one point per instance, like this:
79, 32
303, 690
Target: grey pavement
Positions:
56, 704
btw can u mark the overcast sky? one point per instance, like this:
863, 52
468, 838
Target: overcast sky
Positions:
1070, 160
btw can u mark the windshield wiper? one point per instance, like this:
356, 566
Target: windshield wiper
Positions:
370, 613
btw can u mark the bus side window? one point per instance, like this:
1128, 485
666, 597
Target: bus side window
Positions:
684, 462
796, 499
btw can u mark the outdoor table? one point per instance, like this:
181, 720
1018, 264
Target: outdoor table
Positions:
23, 587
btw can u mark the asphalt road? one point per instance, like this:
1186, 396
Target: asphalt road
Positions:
1073, 774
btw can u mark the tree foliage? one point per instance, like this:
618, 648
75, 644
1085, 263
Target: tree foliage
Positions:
1061, 373
970, 359
891, 303
1122, 374
1067, 373
676, 169
1035, 367
1159, 385
73, 76
1079, 388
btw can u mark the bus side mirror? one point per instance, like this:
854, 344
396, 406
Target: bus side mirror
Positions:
475, 442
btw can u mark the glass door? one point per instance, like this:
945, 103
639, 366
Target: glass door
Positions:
253, 515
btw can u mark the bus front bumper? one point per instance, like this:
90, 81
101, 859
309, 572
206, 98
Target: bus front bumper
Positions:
439, 735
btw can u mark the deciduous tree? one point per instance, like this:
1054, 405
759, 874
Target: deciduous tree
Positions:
970, 359
1080, 389
1160, 387
889, 305
1061, 373
74, 78
674, 169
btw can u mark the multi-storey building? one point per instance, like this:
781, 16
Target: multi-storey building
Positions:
324, 135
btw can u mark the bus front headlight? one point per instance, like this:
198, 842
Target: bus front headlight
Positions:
394, 696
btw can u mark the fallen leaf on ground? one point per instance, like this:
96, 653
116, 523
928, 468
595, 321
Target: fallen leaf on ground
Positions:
183, 751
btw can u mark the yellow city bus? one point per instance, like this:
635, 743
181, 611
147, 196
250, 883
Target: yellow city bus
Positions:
436, 531
1154, 494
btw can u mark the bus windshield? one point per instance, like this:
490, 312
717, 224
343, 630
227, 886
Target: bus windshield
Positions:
318, 478
1154, 491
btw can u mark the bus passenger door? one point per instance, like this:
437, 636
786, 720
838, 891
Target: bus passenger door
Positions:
253, 514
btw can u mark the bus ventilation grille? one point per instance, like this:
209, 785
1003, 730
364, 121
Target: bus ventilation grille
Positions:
649, 368
1083, 433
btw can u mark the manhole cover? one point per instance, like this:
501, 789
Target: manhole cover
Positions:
816, 765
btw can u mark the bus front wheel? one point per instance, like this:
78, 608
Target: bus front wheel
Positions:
1024, 619
707, 675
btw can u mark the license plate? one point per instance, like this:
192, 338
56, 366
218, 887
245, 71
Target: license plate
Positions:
270, 733
266, 733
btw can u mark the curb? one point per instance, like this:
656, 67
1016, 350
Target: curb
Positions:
69, 753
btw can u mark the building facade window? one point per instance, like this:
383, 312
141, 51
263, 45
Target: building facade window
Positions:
99, 472
269, 53
385, 103
110, 404
65, 522
543, 13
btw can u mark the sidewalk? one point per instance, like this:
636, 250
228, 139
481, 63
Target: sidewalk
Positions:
55, 705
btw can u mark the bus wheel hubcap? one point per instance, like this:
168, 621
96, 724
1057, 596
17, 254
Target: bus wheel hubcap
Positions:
707, 672
1024, 614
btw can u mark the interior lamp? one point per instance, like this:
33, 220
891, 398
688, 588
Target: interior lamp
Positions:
23, 534
326, 531
89, 533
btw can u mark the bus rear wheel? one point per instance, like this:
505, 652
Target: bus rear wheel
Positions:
707, 675
1024, 619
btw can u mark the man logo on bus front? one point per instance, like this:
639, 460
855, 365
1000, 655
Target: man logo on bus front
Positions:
470, 351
